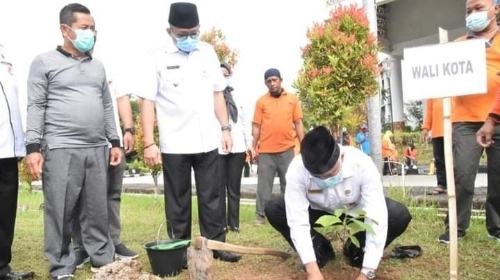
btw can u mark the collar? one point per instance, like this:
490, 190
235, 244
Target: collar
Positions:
67, 54
489, 43
283, 92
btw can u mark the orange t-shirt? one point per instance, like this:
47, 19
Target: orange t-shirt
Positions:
475, 108
276, 116
433, 120
412, 154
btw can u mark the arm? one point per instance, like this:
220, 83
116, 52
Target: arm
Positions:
125, 112
495, 111
220, 108
373, 202
297, 119
37, 103
147, 121
297, 213
427, 125
109, 116
299, 129
257, 122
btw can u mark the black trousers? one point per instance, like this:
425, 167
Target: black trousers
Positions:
9, 187
388, 166
398, 219
177, 180
246, 169
466, 155
438, 152
231, 168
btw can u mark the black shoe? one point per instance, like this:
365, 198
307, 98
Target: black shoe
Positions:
234, 229
64, 277
124, 253
226, 256
17, 275
81, 258
354, 254
495, 236
445, 237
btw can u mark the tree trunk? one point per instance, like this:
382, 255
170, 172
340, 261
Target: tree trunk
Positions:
374, 122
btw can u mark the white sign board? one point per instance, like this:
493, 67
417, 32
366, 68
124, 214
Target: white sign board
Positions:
444, 70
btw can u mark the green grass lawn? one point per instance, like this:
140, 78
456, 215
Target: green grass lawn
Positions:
141, 216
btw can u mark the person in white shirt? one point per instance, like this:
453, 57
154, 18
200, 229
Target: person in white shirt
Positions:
187, 85
11, 150
231, 164
326, 177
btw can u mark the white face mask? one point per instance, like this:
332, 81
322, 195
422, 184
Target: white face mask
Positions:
228, 81
478, 21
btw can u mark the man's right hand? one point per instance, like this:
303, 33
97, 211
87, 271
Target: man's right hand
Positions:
425, 134
484, 136
313, 272
152, 155
35, 163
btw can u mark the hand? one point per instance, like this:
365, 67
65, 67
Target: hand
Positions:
116, 156
484, 135
251, 152
425, 135
35, 163
227, 141
362, 277
152, 155
128, 142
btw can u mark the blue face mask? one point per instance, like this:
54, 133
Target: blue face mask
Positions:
330, 182
85, 39
187, 43
478, 21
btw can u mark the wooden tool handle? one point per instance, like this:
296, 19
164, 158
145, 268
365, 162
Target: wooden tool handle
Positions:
217, 245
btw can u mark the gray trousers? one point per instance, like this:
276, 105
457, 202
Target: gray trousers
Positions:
267, 167
115, 184
75, 178
466, 153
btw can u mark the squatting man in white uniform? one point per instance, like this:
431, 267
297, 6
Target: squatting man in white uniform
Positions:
326, 177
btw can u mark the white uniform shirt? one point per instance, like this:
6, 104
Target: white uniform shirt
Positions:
361, 188
11, 129
115, 94
183, 85
241, 131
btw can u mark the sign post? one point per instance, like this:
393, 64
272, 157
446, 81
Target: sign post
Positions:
444, 71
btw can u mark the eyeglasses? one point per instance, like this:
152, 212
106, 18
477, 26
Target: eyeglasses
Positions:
183, 36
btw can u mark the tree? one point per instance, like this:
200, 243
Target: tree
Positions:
216, 38
340, 66
415, 112
139, 147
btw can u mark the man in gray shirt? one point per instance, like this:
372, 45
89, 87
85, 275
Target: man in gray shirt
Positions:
70, 121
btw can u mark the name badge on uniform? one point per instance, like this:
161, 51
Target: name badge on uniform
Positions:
315, 191
173, 67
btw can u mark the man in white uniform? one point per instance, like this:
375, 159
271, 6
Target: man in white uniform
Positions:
11, 150
187, 85
326, 177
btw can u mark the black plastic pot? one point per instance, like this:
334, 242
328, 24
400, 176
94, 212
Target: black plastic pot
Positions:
165, 262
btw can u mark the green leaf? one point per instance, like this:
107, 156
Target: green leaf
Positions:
338, 212
365, 226
355, 241
328, 220
360, 212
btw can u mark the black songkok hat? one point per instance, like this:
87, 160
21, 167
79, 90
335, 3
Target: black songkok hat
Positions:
319, 151
183, 15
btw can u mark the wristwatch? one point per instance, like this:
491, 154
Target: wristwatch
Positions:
226, 127
369, 273
131, 130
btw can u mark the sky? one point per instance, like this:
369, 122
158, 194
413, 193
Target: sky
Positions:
267, 33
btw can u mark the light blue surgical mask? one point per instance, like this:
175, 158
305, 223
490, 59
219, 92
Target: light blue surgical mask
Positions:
85, 39
187, 43
330, 182
478, 21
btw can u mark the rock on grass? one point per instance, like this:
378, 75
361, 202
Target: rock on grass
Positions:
123, 270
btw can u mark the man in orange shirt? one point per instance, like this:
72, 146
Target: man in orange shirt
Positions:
468, 116
433, 122
277, 121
